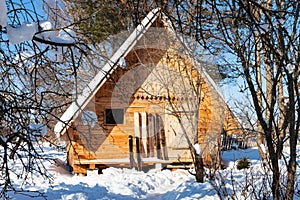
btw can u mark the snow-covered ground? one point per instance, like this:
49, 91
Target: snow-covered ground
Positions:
118, 184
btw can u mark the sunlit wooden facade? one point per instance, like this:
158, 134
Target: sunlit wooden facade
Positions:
131, 118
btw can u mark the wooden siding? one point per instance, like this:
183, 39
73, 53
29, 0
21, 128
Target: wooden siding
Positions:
147, 118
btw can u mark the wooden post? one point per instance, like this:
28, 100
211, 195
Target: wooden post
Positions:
131, 158
138, 153
137, 134
164, 144
137, 124
151, 134
92, 166
144, 132
157, 133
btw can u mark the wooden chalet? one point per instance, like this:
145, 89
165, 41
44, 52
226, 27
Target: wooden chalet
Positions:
128, 115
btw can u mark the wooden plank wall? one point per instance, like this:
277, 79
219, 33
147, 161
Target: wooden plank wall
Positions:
141, 120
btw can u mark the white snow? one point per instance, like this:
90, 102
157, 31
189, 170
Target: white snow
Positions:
43, 29
263, 148
25, 32
122, 62
65, 36
45, 25
3, 13
197, 148
46, 33
118, 183
290, 67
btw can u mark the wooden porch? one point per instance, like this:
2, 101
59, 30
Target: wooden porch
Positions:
82, 166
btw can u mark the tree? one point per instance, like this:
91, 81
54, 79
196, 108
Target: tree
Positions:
263, 38
96, 20
38, 66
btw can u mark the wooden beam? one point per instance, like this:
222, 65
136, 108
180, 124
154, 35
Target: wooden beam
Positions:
138, 153
158, 136
131, 157
137, 125
92, 166
144, 131
164, 144
151, 134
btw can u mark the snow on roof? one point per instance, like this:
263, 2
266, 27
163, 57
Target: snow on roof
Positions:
83, 99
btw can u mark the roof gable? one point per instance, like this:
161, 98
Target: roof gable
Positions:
96, 83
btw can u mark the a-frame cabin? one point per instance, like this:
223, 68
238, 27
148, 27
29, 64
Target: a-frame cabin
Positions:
139, 112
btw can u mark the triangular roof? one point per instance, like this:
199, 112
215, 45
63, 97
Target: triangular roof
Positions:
82, 100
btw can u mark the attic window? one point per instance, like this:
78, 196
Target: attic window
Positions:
114, 116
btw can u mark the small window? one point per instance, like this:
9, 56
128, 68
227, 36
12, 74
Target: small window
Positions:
114, 116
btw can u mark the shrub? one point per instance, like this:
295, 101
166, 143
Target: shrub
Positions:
243, 163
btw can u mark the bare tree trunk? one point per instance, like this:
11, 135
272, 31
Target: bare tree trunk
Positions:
270, 134
291, 167
199, 169
260, 136
289, 194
